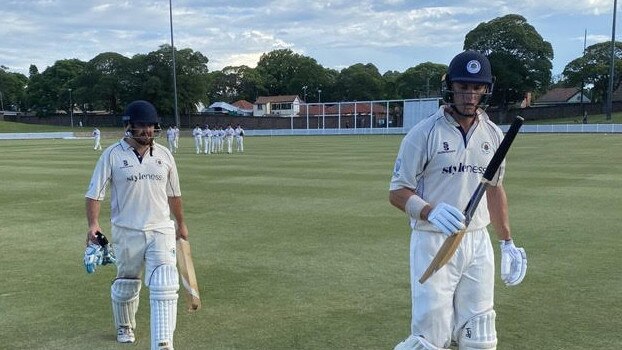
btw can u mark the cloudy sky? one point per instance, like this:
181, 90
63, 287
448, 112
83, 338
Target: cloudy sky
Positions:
391, 34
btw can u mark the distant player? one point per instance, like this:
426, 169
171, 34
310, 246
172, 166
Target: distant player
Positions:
440, 162
144, 186
97, 138
207, 140
197, 134
239, 139
176, 137
229, 132
170, 137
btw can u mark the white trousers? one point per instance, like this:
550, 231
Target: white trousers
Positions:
460, 290
198, 143
171, 145
138, 250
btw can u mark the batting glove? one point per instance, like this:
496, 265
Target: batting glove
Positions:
93, 256
447, 218
107, 254
513, 263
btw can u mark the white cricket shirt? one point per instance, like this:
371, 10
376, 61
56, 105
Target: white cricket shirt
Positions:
443, 165
139, 190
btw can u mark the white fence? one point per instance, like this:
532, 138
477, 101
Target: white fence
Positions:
554, 128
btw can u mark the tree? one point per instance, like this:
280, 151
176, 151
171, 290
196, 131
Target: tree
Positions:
152, 79
49, 91
286, 73
593, 68
360, 82
12, 90
423, 80
235, 83
519, 56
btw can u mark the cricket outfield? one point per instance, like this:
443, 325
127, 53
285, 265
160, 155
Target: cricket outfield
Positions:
296, 246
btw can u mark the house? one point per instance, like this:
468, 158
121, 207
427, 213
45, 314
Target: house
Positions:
562, 95
285, 106
245, 107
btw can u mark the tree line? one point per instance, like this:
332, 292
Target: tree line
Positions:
520, 58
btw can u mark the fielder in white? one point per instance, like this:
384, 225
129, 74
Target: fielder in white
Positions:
440, 163
239, 139
97, 135
171, 136
207, 140
197, 133
144, 185
229, 132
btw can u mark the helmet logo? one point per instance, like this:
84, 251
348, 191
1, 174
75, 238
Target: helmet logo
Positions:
473, 67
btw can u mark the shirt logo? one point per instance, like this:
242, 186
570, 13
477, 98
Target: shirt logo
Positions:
126, 164
396, 168
486, 147
446, 148
463, 168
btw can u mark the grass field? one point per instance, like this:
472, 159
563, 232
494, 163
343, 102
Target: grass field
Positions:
297, 247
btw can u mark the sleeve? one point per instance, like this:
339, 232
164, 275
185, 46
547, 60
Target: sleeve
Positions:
100, 178
173, 189
410, 163
498, 178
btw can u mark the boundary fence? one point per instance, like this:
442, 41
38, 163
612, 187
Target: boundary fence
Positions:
551, 128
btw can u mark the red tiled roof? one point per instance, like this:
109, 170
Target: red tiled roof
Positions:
558, 95
275, 99
243, 104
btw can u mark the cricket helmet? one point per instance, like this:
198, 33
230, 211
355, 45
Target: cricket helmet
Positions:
468, 67
141, 111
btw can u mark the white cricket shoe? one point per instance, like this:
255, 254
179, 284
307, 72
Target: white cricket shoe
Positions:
125, 334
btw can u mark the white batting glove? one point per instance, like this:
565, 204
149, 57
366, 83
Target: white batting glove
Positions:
447, 218
93, 256
513, 263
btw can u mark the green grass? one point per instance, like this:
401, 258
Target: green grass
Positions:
297, 247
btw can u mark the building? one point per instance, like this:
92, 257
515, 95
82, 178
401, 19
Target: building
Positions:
244, 106
285, 106
561, 95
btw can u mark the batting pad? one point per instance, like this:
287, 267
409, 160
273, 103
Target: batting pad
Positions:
479, 333
163, 287
124, 294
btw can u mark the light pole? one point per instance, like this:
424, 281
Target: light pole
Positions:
70, 108
304, 88
170, 6
319, 95
2, 100
611, 65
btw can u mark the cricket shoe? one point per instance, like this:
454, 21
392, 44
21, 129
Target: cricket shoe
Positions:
125, 334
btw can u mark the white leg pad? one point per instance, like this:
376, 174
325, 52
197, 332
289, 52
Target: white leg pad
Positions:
479, 333
416, 343
124, 294
163, 287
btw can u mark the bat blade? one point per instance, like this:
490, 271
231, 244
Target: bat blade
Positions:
187, 275
452, 242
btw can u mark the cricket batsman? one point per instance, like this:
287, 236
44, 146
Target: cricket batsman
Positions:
144, 192
441, 161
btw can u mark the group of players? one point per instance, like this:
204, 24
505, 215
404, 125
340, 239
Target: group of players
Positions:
210, 141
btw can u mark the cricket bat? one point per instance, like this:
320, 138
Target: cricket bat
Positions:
187, 275
452, 242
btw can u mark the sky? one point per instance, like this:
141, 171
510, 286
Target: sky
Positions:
394, 35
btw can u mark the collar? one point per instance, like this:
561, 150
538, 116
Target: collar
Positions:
450, 119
